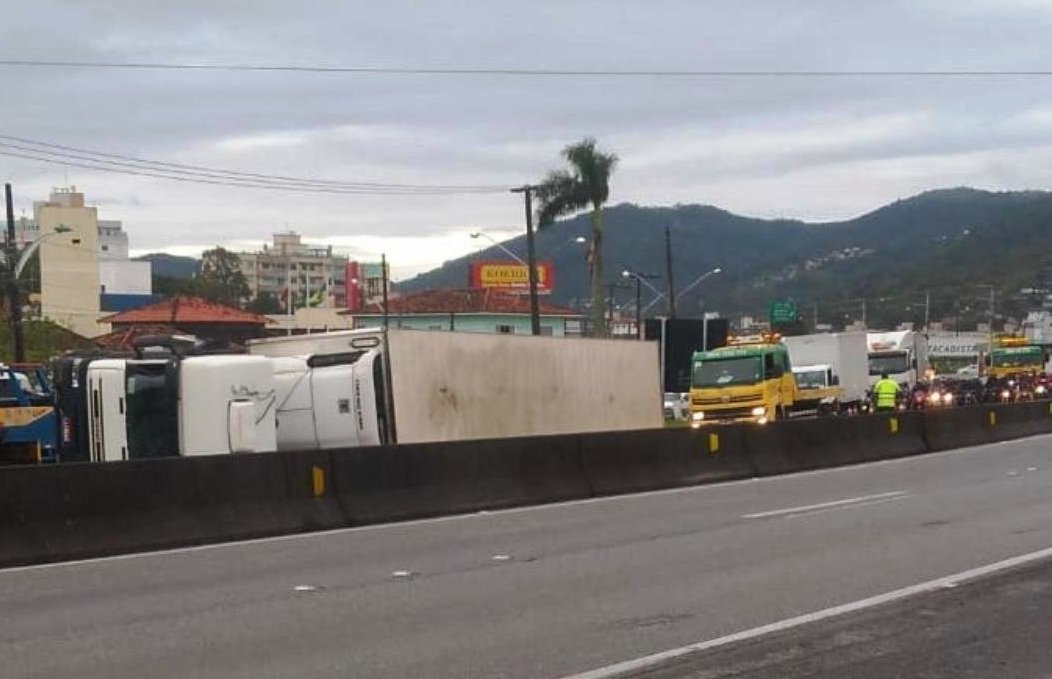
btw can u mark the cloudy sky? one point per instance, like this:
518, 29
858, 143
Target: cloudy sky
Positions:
815, 148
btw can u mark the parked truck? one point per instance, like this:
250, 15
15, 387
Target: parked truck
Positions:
901, 355
376, 386
831, 371
160, 406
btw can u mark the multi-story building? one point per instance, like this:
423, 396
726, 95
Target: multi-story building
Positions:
315, 275
84, 268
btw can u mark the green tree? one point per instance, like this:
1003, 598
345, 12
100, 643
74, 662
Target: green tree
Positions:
585, 184
266, 303
221, 279
170, 286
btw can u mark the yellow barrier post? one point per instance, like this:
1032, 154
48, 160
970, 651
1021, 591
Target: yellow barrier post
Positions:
714, 443
993, 418
317, 480
893, 425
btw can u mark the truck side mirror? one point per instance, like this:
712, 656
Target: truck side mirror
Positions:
835, 380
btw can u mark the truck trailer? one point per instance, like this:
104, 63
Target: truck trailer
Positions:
376, 386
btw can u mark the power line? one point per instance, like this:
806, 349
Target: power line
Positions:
32, 145
528, 72
98, 161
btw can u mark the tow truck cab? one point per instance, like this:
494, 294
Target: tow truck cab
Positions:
750, 380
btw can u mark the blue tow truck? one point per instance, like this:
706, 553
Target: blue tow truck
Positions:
28, 425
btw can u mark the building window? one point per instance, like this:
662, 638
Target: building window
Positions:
546, 330
105, 248
506, 329
436, 327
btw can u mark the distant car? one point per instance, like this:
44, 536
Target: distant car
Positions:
968, 371
677, 406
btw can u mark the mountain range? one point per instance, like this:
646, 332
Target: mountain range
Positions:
940, 250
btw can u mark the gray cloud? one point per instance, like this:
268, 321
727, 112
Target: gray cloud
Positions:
817, 147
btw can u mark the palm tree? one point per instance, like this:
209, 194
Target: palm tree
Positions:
585, 184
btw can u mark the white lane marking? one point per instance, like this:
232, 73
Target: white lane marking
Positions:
948, 582
402, 574
867, 503
304, 588
823, 505
395, 525
501, 557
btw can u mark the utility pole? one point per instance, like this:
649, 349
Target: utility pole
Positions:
383, 273
13, 296
927, 310
531, 259
864, 324
668, 272
814, 326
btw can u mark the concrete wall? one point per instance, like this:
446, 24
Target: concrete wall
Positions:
312, 319
125, 277
475, 322
69, 267
452, 386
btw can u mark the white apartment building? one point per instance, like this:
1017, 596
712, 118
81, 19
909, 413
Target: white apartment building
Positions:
288, 263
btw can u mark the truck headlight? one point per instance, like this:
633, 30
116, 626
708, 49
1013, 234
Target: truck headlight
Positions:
1006, 394
697, 416
947, 397
759, 411
1040, 389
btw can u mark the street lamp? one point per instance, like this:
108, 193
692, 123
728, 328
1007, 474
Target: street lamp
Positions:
14, 270
641, 279
697, 281
32, 247
499, 245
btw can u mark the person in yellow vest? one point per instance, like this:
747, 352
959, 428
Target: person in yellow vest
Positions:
887, 393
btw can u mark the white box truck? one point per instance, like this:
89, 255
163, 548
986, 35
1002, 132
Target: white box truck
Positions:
902, 355
197, 405
361, 387
831, 370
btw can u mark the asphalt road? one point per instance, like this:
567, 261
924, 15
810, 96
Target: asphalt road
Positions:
994, 627
545, 591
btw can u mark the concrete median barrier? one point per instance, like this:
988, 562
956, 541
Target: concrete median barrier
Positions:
816, 443
947, 428
80, 510
624, 462
429, 479
69, 511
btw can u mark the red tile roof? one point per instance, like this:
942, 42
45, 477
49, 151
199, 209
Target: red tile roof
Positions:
488, 301
123, 339
185, 311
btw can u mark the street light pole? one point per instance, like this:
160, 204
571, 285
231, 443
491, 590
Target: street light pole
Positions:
531, 259
499, 245
639, 296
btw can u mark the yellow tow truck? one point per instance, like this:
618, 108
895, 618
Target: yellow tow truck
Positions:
749, 380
